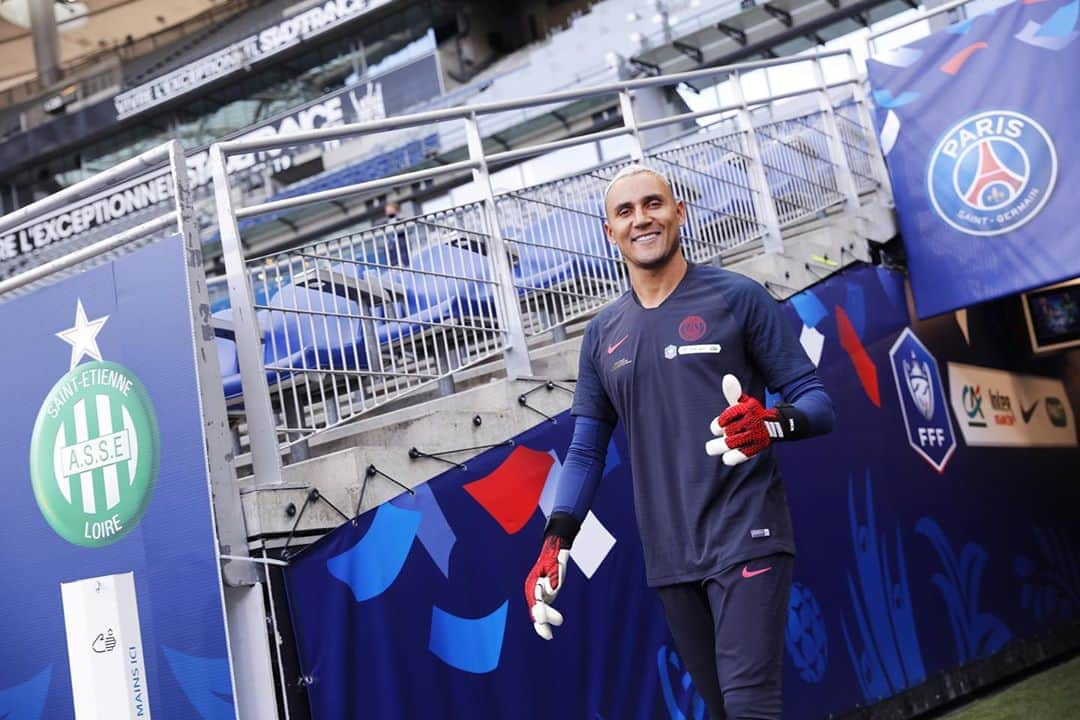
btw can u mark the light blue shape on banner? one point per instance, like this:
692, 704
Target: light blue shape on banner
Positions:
435, 533
683, 702
771, 398
809, 308
206, 683
26, 700
885, 99
373, 563
960, 28
1062, 23
469, 644
613, 459
899, 57
892, 284
889, 656
855, 306
547, 495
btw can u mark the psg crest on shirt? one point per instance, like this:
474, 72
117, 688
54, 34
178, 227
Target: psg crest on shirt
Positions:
991, 172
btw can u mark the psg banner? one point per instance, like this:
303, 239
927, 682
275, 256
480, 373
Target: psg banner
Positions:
112, 599
977, 123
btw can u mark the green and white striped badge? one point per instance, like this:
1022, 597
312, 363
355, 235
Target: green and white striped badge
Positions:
94, 454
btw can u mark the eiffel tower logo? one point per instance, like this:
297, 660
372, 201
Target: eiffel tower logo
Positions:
992, 172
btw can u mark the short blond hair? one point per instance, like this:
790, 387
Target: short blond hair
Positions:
636, 169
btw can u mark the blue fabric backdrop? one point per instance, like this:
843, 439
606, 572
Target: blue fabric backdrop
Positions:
416, 609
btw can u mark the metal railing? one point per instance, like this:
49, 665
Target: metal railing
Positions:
355, 322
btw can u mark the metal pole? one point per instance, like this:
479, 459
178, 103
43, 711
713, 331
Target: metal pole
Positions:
83, 254
626, 104
924, 16
137, 165
755, 172
241, 146
845, 183
249, 344
877, 159
249, 654
509, 309
228, 511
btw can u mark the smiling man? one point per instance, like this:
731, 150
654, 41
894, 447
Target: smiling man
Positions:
684, 359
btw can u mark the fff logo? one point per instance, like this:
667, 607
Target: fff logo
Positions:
922, 400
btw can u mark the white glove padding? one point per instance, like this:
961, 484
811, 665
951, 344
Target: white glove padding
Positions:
541, 592
719, 446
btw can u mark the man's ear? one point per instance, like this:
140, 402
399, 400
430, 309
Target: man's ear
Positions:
609, 233
680, 208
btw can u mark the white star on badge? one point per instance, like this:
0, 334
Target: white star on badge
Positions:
82, 337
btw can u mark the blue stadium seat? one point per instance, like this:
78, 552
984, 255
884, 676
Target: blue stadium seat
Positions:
561, 247
434, 298
311, 329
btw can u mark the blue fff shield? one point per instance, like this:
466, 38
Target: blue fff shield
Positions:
918, 386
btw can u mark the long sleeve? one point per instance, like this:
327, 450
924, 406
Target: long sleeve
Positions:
580, 476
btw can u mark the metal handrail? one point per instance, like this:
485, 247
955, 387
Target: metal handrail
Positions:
340, 132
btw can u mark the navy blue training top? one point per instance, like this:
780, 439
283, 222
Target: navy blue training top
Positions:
659, 370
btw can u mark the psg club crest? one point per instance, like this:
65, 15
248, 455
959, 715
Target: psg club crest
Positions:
992, 172
922, 400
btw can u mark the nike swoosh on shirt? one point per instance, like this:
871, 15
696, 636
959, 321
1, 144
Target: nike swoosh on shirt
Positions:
748, 573
1028, 413
613, 348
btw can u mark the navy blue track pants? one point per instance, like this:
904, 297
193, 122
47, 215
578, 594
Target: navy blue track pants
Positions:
729, 631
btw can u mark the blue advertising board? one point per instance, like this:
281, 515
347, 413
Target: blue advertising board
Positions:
106, 474
977, 125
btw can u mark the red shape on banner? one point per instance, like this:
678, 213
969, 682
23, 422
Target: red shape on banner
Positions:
511, 492
864, 366
953, 64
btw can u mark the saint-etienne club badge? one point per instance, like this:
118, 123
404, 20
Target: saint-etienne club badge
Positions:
94, 452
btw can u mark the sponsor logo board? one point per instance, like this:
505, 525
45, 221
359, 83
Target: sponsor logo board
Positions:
999, 408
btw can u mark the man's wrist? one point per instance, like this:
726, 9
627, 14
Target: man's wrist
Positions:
564, 526
792, 423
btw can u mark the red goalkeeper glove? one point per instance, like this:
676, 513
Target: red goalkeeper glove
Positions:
747, 428
544, 583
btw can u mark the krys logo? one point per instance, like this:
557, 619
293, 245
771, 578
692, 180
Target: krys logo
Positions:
94, 451
992, 172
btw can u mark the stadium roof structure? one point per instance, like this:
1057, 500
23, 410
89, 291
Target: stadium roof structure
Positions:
88, 28
766, 29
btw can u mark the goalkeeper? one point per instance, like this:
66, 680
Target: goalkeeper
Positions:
683, 359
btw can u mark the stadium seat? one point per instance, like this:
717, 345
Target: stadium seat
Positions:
442, 283
560, 247
312, 329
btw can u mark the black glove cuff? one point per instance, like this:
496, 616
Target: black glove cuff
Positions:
794, 423
564, 526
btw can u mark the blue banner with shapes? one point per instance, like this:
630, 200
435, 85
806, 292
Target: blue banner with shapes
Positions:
416, 608
977, 124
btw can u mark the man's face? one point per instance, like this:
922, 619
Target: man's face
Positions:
643, 219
